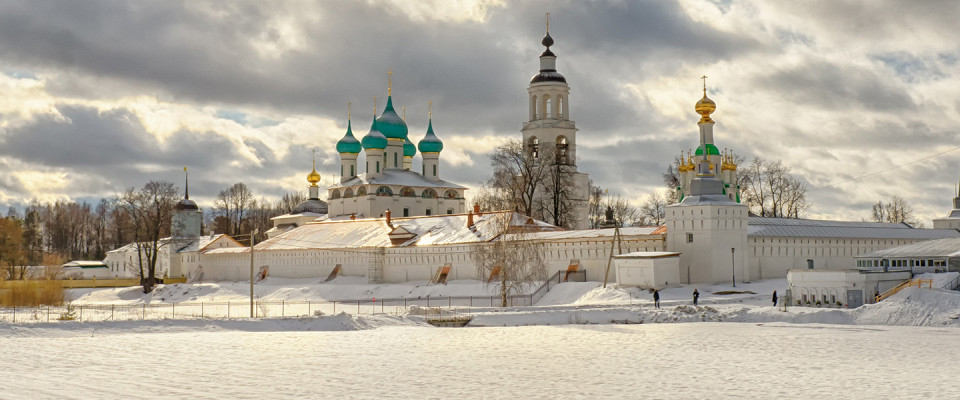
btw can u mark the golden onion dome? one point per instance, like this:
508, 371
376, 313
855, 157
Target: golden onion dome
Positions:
705, 107
313, 177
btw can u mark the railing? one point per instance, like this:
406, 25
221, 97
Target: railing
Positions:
911, 283
556, 279
241, 309
954, 284
269, 309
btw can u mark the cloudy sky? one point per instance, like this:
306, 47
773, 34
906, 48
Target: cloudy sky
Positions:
97, 96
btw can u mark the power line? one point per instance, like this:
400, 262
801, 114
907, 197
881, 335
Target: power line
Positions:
887, 170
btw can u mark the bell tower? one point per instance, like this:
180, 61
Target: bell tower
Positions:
549, 136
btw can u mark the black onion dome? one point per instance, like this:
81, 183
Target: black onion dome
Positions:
315, 206
186, 204
547, 40
548, 76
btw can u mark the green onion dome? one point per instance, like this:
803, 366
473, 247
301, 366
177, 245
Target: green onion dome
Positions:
430, 143
711, 150
409, 150
348, 144
374, 139
390, 124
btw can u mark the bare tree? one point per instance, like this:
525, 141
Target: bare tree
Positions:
517, 262
11, 249
517, 175
557, 203
150, 209
490, 198
671, 180
654, 209
288, 201
596, 213
897, 210
234, 203
771, 191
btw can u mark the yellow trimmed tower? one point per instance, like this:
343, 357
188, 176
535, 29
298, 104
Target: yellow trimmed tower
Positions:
721, 164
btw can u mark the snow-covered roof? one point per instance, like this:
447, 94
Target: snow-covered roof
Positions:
397, 177
649, 254
789, 227
706, 199
949, 247
374, 232
590, 233
85, 264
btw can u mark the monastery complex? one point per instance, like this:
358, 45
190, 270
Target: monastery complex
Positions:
389, 223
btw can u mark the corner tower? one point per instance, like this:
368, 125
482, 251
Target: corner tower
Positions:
707, 227
549, 136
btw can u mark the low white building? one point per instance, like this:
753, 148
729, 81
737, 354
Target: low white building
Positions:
648, 269
847, 288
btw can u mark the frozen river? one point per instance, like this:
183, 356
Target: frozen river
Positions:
691, 360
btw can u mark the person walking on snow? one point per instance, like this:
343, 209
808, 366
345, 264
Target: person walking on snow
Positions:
774, 298
696, 296
656, 298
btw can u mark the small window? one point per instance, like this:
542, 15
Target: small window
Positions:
378, 167
689, 238
434, 170
406, 212
449, 211
352, 173
429, 212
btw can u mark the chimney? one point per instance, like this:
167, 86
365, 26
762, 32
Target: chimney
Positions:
353, 217
388, 217
469, 220
476, 209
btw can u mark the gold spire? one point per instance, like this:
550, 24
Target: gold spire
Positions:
348, 110
404, 108
313, 177
389, 82
430, 109
548, 22
374, 107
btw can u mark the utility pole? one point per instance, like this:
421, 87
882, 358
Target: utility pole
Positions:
252, 235
615, 241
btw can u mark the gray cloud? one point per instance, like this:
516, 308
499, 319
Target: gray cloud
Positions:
211, 54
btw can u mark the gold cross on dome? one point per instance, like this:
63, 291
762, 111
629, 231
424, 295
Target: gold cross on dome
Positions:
704, 84
430, 109
389, 81
348, 110
548, 22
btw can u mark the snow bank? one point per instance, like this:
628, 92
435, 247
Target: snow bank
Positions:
338, 322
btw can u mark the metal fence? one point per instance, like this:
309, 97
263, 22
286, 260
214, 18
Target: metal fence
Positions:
241, 309
275, 309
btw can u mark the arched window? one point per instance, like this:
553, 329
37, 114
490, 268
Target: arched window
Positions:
429, 194
449, 211
562, 150
362, 191
407, 192
384, 191
561, 107
334, 194
533, 147
347, 193
450, 194
533, 107
546, 109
